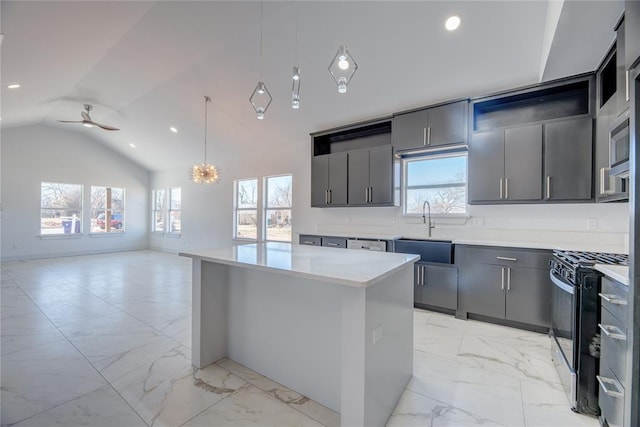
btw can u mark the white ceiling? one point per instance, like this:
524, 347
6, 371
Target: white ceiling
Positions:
146, 65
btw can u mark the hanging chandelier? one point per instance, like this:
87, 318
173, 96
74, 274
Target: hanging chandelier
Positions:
205, 173
342, 66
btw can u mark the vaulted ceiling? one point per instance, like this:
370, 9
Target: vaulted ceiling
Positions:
145, 66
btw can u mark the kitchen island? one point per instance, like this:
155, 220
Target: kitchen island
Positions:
336, 326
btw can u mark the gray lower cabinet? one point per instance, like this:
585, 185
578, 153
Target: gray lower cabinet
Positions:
631, 32
508, 284
506, 165
329, 180
612, 378
436, 285
370, 176
431, 127
568, 149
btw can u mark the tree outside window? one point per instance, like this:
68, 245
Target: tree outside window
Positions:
277, 212
175, 210
440, 180
159, 211
60, 208
107, 210
246, 209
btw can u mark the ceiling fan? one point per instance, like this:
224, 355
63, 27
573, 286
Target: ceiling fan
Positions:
86, 119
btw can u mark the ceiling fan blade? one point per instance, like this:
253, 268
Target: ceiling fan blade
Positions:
105, 127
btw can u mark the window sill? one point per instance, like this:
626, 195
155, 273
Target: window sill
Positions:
59, 236
105, 234
163, 234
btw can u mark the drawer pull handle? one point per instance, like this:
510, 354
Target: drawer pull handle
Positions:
309, 242
506, 258
332, 244
612, 332
604, 382
613, 299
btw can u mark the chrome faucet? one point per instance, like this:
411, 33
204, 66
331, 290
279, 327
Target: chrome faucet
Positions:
424, 217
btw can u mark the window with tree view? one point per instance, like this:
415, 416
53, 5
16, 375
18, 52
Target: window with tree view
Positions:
60, 208
107, 210
246, 209
159, 211
440, 180
175, 210
277, 211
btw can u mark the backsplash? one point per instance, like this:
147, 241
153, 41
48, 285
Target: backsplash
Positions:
575, 223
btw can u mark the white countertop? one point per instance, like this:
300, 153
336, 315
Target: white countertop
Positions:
347, 267
619, 273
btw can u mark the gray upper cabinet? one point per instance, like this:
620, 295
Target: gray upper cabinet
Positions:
631, 32
506, 165
329, 180
568, 152
431, 127
486, 166
523, 163
370, 179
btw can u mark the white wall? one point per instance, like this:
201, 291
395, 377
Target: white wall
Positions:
208, 219
33, 154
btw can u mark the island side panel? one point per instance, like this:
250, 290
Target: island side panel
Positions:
377, 348
288, 329
210, 312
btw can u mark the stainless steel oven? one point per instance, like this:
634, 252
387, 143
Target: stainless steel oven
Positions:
619, 146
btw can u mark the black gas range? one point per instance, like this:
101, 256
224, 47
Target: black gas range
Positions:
575, 313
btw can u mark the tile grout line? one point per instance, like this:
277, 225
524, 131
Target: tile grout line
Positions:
87, 360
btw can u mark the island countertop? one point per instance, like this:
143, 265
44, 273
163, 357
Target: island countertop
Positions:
347, 267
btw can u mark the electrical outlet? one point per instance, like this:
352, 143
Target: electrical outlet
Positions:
478, 222
592, 224
377, 334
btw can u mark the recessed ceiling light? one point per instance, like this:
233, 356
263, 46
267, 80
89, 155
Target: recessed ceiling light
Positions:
132, 145
13, 86
174, 130
453, 22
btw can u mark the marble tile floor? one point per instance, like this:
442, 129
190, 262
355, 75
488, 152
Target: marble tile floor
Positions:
104, 340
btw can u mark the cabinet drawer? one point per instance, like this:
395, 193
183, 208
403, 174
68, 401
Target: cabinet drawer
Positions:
610, 398
306, 239
613, 350
334, 242
509, 257
614, 298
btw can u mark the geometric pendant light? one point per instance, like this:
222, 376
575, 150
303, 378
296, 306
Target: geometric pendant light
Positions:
260, 98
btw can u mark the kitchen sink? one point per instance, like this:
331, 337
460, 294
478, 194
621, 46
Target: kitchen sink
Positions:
430, 250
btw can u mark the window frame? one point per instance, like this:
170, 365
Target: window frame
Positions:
169, 210
109, 212
162, 209
404, 187
266, 208
237, 209
79, 216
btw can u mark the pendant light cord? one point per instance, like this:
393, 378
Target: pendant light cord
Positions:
297, 17
260, 39
206, 101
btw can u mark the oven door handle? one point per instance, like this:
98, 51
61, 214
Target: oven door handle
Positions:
561, 284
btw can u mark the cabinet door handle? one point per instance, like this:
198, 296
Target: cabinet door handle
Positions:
604, 381
626, 86
612, 332
548, 187
613, 299
422, 276
330, 197
428, 135
502, 278
506, 188
501, 188
508, 279
506, 258
424, 136
370, 194
326, 197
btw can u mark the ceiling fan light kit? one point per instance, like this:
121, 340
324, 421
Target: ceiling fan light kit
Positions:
87, 121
